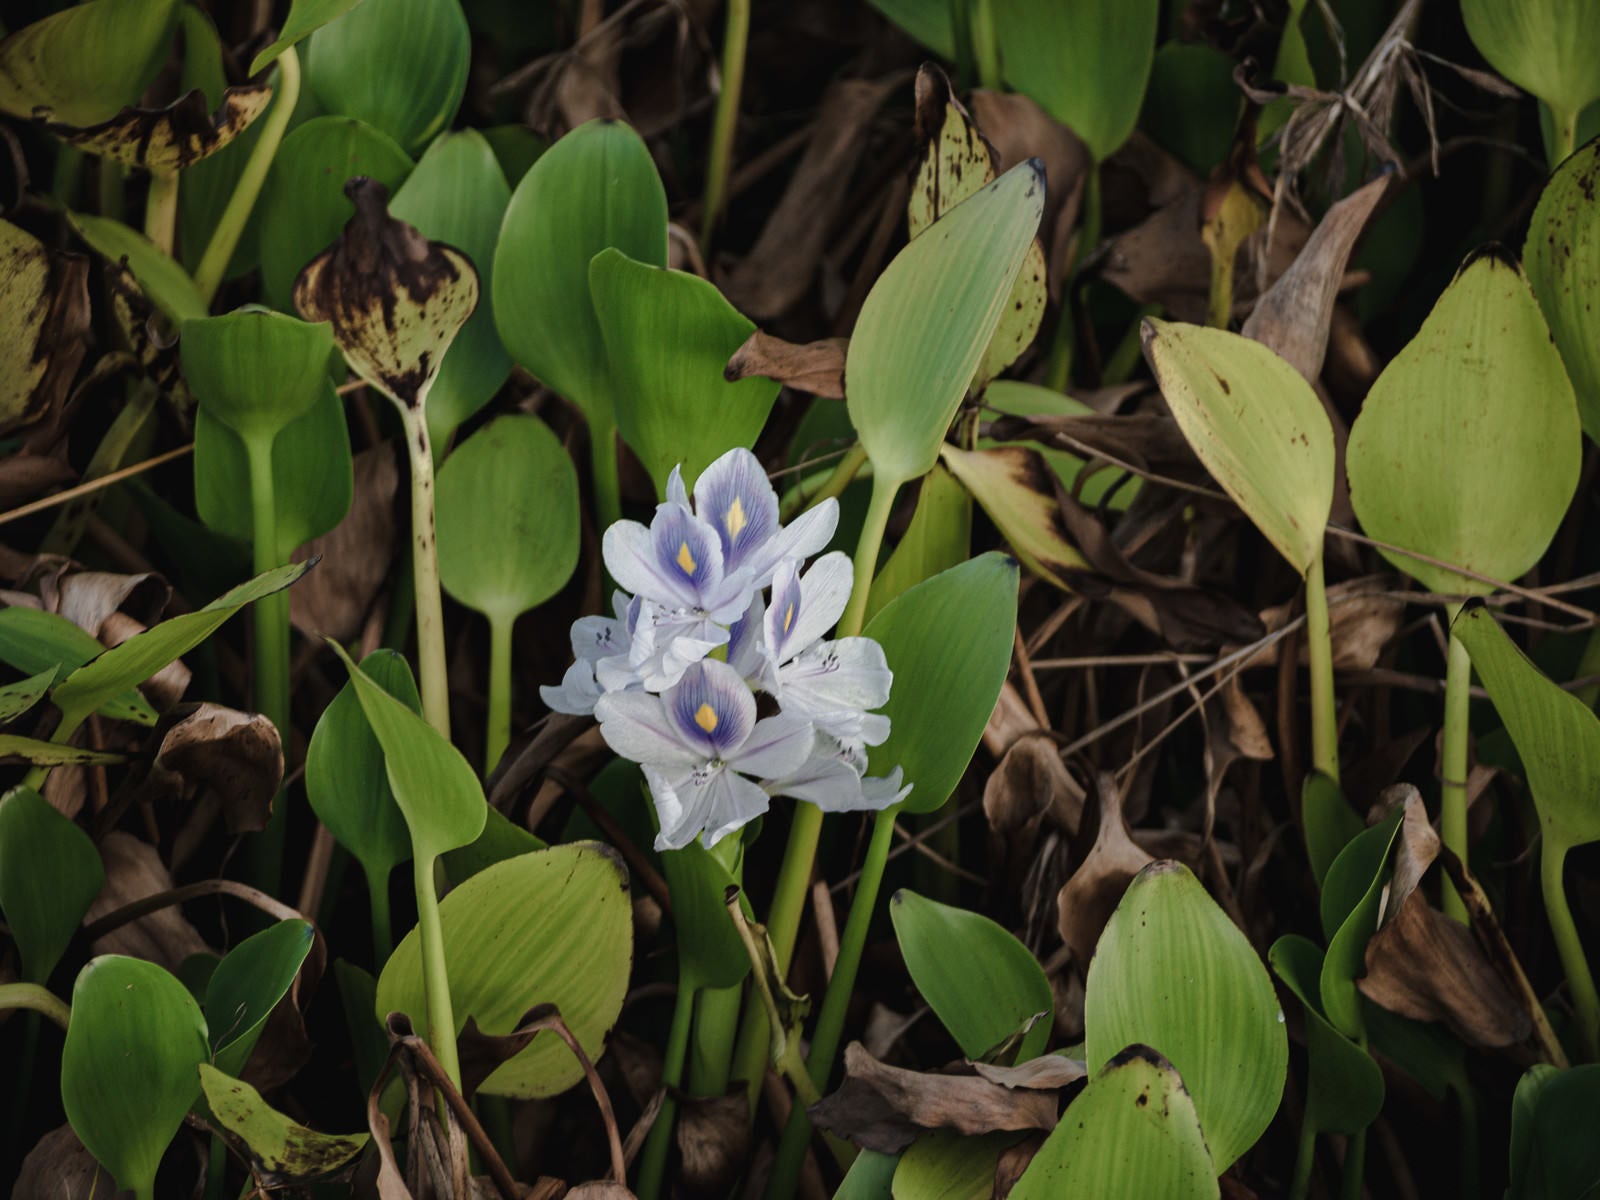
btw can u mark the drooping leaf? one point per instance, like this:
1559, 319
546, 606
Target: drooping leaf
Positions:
44, 313
129, 1069
938, 538
172, 137
163, 279
281, 1152
1351, 894
945, 1165
16, 748
36, 641
1344, 1087
1562, 258
50, 873
17, 698
247, 984
1012, 485
1542, 46
305, 18
981, 982
551, 927
256, 371
1468, 446
1222, 1027
948, 637
85, 62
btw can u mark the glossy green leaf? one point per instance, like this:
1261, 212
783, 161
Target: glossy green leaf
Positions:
50, 873
950, 637
247, 984
14, 747
668, 335
1562, 258
1132, 1132
551, 927
1351, 895
501, 839
1255, 424
162, 278
1468, 446
1085, 63
508, 518
458, 195
1013, 486
946, 1165
1015, 398
1554, 1153
432, 783
36, 641
17, 698
981, 982
1557, 735
86, 62
595, 188
1344, 1087
1173, 971
256, 371
928, 319
516, 148
1542, 46
277, 1149
129, 1069
399, 65
303, 205
305, 18
938, 538
712, 952
1330, 823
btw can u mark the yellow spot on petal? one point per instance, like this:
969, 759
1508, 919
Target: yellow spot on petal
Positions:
736, 520
685, 559
788, 616
706, 717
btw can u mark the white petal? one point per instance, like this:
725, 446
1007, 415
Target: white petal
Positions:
734, 802
879, 792
676, 493
825, 779
801, 538
674, 797
577, 694
804, 610
629, 554
777, 746
850, 673
636, 726
594, 638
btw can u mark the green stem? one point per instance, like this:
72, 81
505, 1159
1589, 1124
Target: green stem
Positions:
435, 981
271, 615
435, 682
382, 930
985, 45
1319, 648
216, 1168
866, 562
230, 226
843, 474
40, 999
711, 1049
603, 465
1453, 760
497, 734
653, 1162
1552, 861
161, 210
1219, 305
1059, 371
734, 39
1564, 134
1355, 1166
1304, 1159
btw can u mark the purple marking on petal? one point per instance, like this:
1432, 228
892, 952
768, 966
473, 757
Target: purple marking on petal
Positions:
746, 649
735, 497
629, 550
801, 538
686, 552
711, 709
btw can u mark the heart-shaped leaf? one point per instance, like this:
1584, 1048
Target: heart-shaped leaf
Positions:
247, 984
36, 642
305, 18
1562, 258
85, 62
278, 1149
50, 873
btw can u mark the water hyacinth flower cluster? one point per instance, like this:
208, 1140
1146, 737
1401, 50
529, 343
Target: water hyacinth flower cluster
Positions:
715, 673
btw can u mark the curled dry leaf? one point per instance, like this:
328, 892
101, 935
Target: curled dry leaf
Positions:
44, 323
237, 755
88, 598
334, 600
1363, 618
173, 137
25, 476
1087, 900
1048, 1071
1031, 779
59, 1167
814, 367
133, 871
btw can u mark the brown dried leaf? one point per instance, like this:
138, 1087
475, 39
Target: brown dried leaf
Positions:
236, 754
1019, 129
1013, 1161
713, 1137
1363, 620
1048, 1072
814, 367
44, 326
59, 1167
133, 871
88, 598
334, 600
1087, 900
1031, 779
25, 476
1416, 849
173, 137
602, 1189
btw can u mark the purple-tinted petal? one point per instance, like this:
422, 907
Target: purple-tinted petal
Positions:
849, 674
805, 607
685, 549
776, 746
734, 496
711, 709
879, 792
667, 641
629, 552
679, 806
746, 647
637, 726
594, 638
801, 538
676, 493
578, 691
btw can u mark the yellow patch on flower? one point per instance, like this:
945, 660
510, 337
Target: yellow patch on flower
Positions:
685, 559
706, 717
736, 520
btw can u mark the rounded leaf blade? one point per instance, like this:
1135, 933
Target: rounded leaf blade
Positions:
50, 872
1562, 258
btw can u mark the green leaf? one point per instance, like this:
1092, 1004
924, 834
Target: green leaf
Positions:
50, 754
1132, 1131
129, 1069
36, 641
247, 984
278, 1150
508, 518
1173, 971
458, 195
928, 21
161, 277
501, 839
1351, 895
1255, 424
1562, 258
1085, 63
713, 954
1554, 1154
981, 982
1015, 398
949, 637
17, 698
595, 188
1329, 821
668, 335
142, 655
1556, 734
551, 927
928, 319
1344, 1086
303, 205
1014, 487
399, 65
938, 538
946, 1165
1542, 46
256, 371
85, 63
50, 873
1191, 105
516, 148
434, 786
305, 18
1468, 446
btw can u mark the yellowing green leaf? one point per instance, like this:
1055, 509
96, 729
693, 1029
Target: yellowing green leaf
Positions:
1543, 46
44, 311
281, 1152
1013, 485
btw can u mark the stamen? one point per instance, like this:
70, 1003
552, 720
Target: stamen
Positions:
706, 717
686, 560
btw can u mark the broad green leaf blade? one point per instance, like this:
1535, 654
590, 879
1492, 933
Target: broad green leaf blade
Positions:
50, 754
1330, 823
142, 655
129, 1069
668, 335
1014, 398
1554, 1153
597, 187
551, 927
1344, 1090
1172, 970
501, 839
1543, 46
948, 637
1256, 425
303, 205
345, 778
938, 538
1132, 1132
1351, 895
305, 18
44, 311
247, 984
50, 873
1556, 734
1191, 105
1562, 258
399, 65
1085, 63
163, 279
84, 63
17, 698
458, 195
946, 1165
712, 951
276, 1148
981, 982
1014, 487
508, 514
36, 641
1468, 446
256, 371
925, 324
432, 783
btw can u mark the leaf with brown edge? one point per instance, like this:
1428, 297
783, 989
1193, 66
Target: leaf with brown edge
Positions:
1087, 900
173, 137
395, 300
44, 320
281, 1152
1015, 487
813, 367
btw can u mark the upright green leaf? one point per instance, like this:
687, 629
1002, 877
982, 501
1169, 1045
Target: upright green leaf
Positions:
1542, 46
247, 984
1344, 1085
1554, 1154
1562, 258
712, 952
945, 1165
35, 641
84, 63
50, 873
938, 538
277, 1149
305, 18
1330, 823
256, 371
1351, 895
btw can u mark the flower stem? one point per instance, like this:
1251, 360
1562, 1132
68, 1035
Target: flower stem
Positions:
435, 685
498, 725
1304, 1159
382, 931
161, 210
735, 36
435, 980
653, 1162
1319, 648
1453, 760
1552, 861
985, 46
711, 1049
1355, 1166
230, 226
843, 474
